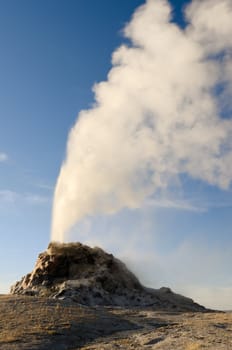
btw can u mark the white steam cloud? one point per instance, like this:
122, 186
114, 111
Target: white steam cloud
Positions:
163, 111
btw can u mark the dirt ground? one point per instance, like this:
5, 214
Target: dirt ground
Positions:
29, 323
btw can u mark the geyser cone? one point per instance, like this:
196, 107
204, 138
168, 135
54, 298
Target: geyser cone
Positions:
91, 276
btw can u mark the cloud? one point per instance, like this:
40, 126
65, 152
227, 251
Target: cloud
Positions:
210, 25
3, 157
158, 115
43, 186
12, 197
163, 253
193, 268
176, 204
199, 203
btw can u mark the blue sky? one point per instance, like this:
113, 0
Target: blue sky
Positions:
52, 52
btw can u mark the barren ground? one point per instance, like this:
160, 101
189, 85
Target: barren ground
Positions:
44, 324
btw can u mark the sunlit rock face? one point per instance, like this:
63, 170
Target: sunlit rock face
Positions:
90, 276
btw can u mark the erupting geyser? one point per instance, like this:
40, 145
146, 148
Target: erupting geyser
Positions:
161, 112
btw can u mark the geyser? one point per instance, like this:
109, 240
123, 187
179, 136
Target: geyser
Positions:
90, 276
162, 112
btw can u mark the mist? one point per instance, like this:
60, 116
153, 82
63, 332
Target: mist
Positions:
162, 112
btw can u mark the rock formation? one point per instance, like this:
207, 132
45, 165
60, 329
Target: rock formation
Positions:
92, 277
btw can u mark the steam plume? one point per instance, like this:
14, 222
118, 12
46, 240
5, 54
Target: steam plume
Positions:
163, 111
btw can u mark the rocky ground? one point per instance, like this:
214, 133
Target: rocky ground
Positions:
79, 297
29, 323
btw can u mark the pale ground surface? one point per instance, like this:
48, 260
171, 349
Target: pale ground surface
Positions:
29, 323
174, 331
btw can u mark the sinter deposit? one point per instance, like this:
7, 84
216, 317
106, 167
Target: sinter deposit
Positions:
91, 276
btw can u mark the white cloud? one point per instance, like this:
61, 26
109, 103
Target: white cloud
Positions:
157, 116
3, 157
13, 197
176, 204
194, 266
199, 203
193, 269
211, 25
44, 186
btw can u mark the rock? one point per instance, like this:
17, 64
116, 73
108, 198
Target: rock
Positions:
90, 276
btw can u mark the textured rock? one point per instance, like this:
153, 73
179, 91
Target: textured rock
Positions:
90, 276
